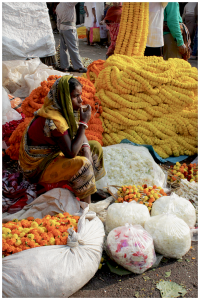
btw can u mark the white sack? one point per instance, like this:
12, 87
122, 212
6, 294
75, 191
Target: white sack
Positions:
55, 271
171, 235
126, 164
20, 77
118, 214
26, 30
8, 113
131, 247
176, 205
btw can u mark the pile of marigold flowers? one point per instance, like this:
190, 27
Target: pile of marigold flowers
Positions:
150, 101
35, 101
141, 194
93, 70
183, 171
30, 233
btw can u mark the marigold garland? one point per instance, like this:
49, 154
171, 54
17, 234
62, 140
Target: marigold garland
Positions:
150, 101
94, 69
133, 30
31, 233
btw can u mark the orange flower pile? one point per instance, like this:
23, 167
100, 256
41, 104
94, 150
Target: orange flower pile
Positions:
30, 233
95, 128
141, 194
36, 98
94, 69
35, 101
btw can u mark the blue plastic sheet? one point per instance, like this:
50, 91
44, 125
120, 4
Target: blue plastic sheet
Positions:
155, 154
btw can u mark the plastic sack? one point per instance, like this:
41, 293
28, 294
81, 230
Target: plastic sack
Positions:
131, 247
8, 113
55, 271
21, 77
103, 31
171, 235
119, 214
27, 31
126, 164
174, 204
94, 34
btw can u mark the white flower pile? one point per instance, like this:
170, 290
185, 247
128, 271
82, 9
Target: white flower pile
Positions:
131, 247
171, 235
189, 191
174, 204
119, 214
127, 165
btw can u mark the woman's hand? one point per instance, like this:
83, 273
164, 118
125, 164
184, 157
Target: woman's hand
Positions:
182, 49
85, 115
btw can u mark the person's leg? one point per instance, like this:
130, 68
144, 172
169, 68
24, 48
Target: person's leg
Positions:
195, 47
88, 36
71, 40
170, 49
64, 56
190, 23
151, 51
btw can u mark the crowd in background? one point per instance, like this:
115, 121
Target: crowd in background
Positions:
173, 28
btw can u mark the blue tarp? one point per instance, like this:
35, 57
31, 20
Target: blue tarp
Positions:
155, 154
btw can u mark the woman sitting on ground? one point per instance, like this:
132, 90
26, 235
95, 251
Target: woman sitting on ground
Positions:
54, 147
112, 20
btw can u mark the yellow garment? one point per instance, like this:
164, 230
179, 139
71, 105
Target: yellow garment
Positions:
58, 107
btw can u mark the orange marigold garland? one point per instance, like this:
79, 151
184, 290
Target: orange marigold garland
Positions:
95, 128
94, 68
31, 233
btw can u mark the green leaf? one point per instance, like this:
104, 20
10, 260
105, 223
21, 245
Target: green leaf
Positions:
137, 295
146, 278
167, 274
179, 260
187, 260
170, 289
116, 269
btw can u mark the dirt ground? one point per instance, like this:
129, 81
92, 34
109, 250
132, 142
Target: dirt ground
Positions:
108, 285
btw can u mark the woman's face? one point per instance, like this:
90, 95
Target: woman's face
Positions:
76, 97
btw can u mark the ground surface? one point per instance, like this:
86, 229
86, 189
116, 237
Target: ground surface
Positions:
108, 285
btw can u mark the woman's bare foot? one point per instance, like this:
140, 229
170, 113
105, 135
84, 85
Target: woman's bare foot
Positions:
87, 199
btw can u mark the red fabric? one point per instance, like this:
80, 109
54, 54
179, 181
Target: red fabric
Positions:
60, 184
114, 14
36, 133
113, 29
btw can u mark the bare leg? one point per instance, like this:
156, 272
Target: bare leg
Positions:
87, 199
88, 36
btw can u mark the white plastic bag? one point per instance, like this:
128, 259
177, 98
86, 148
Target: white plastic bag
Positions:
8, 113
131, 247
126, 164
119, 214
171, 235
55, 271
21, 77
174, 204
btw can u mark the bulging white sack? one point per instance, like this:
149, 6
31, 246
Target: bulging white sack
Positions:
171, 235
118, 214
8, 113
174, 204
55, 271
131, 247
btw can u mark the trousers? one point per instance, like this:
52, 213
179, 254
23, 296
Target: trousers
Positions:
69, 48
